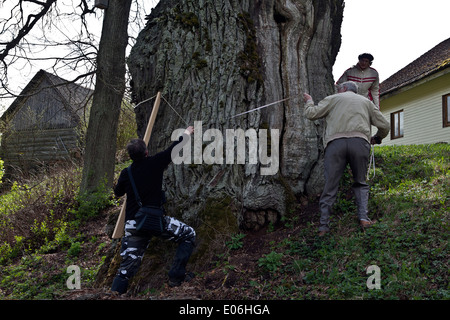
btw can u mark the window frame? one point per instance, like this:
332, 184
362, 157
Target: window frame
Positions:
445, 110
395, 115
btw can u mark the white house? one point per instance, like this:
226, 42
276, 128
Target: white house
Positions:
416, 99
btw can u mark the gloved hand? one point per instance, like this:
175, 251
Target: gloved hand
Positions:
375, 140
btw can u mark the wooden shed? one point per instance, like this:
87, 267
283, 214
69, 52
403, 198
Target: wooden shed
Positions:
43, 124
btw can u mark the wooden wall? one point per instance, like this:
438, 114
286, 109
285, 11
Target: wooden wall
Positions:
29, 148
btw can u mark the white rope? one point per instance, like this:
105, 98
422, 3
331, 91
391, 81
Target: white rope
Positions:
371, 163
175, 110
265, 106
151, 98
143, 101
237, 115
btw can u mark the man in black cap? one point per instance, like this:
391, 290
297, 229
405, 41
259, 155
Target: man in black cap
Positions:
365, 77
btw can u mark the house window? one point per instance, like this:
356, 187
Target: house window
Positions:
446, 110
397, 124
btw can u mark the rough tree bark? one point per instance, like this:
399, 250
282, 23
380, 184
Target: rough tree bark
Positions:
99, 158
213, 59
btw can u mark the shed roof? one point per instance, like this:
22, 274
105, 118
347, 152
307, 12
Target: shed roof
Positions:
73, 95
434, 60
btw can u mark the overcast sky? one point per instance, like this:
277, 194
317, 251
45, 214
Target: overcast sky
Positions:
395, 32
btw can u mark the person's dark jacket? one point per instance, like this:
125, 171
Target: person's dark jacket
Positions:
148, 177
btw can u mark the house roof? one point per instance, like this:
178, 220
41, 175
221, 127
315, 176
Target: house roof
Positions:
74, 95
436, 59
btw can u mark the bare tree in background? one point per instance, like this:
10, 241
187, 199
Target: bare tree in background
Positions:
102, 60
101, 136
36, 33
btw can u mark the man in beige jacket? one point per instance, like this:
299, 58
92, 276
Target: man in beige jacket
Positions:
347, 138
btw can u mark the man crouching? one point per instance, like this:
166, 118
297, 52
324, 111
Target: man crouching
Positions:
142, 183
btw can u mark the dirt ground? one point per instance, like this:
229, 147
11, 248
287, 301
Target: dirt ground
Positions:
223, 278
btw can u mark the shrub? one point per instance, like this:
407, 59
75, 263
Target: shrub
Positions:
74, 249
236, 241
271, 261
90, 204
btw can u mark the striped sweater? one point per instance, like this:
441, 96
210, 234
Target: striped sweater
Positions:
367, 80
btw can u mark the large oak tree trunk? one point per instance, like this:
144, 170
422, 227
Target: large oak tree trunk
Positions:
214, 59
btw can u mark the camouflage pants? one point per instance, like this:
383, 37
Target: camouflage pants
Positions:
135, 243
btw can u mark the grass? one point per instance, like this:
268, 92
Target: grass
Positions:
410, 197
41, 234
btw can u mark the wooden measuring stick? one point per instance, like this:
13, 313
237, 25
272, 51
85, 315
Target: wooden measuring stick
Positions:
119, 229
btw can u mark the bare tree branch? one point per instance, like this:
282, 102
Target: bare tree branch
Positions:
28, 36
56, 35
31, 21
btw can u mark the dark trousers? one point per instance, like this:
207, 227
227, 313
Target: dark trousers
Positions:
135, 243
339, 153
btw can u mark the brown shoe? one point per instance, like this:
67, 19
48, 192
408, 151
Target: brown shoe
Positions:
322, 233
366, 224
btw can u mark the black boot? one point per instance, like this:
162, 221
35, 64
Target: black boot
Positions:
177, 273
119, 285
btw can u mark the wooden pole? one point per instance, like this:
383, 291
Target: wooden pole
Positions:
120, 225
151, 121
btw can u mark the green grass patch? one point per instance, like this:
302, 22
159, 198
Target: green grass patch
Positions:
410, 197
41, 221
